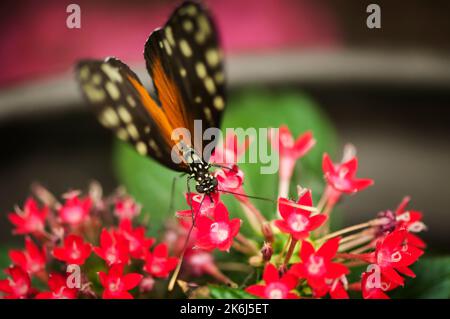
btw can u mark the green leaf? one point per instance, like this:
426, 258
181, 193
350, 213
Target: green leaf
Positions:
432, 280
219, 292
150, 183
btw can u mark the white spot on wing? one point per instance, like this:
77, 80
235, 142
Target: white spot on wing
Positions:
209, 85
212, 57
200, 69
169, 35
218, 103
188, 26
185, 48
109, 117
112, 72
93, 94
141, 148
167, 47
113, 90
131, 101
132, 130
122, 134
124, 114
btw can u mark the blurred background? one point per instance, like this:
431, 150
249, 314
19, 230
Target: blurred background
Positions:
384, 90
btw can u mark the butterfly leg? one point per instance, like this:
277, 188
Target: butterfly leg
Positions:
186, 243
172, 191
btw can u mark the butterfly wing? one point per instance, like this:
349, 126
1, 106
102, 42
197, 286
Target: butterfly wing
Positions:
186, 69
185, 63
122, 104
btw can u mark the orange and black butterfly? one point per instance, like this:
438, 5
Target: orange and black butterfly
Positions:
185, 64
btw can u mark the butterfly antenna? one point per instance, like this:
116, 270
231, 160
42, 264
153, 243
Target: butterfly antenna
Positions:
185, 246
308, 208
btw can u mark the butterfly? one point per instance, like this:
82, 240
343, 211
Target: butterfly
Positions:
185, 64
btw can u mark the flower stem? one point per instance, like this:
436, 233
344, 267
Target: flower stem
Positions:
347, 230
246, 242
286, 245
234, 266
363, 239
362, 248
213, 271
283, 187
323, 200
242, 248
290, 251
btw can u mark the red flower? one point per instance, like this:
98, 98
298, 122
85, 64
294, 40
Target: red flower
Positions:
126, 208
230, 179
58, 289
374, 287
158, 263
217, 233
410, 220
32, 259
138, 244
393, 255
74, 251
317, 266
18, 286
75, 210
117, 284
274, 287
342, 176
230, 151
298, 222
201, 205
31, 220
290, 150
337, 288
114, 248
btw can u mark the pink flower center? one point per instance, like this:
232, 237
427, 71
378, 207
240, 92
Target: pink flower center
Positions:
276, 290
73, 214
111, 255
341, 181
298, 222
20, 288
219, 232
286, 140
75, 252
157, 265
34, 266
316, 265
34, 223
115, 286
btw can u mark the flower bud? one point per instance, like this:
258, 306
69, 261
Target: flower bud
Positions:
267, 232
146, 284
267, 251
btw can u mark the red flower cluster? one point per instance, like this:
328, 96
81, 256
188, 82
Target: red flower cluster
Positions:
214, 229
299, 255
69, 232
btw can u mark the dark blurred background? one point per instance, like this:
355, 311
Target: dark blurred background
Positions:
386, 90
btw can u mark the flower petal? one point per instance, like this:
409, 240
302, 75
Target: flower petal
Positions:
270, 274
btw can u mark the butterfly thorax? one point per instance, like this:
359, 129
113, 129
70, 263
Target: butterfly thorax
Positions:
205, 182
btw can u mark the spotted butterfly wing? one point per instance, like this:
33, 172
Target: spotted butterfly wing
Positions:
184, 62
120, 100
187, 52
